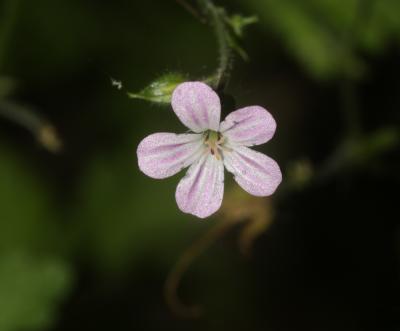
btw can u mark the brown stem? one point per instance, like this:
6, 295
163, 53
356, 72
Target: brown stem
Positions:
44, 132
175, 276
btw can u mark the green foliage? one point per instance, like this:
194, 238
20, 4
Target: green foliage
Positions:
327, 36
26, 213
30, 289
382, 27
371, 147
127, 216
160, 90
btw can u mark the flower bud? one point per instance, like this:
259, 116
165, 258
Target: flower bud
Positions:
160, 90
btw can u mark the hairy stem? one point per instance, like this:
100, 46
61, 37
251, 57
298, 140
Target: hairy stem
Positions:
215, 16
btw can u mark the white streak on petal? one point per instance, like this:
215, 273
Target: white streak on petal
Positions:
201, 191
248, 126
197, 106
162, 155
255, 172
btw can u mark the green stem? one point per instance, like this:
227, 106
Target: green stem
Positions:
10, 9
360, 152
21, 116
215, 16
352, 155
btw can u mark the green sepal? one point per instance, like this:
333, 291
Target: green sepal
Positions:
160, 90
238, 23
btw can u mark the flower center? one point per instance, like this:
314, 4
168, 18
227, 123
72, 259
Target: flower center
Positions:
214, 141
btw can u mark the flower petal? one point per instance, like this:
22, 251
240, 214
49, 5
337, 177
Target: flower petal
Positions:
197, 106
248, 126
255, 172
200, 192
162, 155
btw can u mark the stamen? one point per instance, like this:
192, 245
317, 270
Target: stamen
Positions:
214, 142
226, 149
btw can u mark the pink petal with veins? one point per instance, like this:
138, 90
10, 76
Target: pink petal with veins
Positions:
248, 126
255, 172
162, 155
197, 106
200, 192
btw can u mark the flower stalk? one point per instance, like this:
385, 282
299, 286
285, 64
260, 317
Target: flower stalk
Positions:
216, 17
182, 265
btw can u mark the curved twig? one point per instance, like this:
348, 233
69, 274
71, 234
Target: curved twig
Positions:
175, 276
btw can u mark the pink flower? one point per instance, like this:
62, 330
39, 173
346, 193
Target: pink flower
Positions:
210, 147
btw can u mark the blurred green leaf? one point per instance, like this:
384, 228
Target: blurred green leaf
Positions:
382, 26
317, 32
374, 145
317, 46
126, 216
30, 290
361, 152
160, 90
26, 212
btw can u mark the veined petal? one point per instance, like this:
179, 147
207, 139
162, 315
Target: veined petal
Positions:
255, 172
162, 155
200, 192
248, 126
197, 106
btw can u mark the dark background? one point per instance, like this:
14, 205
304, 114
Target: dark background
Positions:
87, 241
